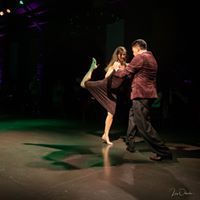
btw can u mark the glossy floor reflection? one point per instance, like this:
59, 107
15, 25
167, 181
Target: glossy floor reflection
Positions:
59, 160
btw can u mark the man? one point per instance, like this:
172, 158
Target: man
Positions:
143, 71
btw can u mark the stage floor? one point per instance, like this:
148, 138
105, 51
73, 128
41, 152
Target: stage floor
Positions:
52, 159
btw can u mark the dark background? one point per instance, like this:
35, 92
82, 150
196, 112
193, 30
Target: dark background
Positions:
46, 48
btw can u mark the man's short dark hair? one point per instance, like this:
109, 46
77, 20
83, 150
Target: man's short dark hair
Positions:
141, 43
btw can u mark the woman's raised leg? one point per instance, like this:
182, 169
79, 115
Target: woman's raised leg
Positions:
88, 75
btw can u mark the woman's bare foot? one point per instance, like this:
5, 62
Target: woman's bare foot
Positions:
93, 64
106, 139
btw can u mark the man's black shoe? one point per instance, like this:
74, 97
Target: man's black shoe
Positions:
159, 157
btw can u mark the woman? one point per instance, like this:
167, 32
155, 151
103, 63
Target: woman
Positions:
104, 91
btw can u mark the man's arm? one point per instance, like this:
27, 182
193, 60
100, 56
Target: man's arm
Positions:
135, 65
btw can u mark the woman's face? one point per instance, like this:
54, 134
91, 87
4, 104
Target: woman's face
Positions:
122, 56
